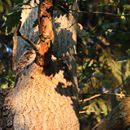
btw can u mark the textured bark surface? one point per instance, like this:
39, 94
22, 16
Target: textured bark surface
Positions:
118, 119
45, 98
40, 102
1, 104
46, 33
28, 18
65, 29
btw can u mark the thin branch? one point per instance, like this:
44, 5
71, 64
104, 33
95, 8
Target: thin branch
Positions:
82, 112
104, 13
29, 41
108, 92
17, 29
95, 96
99, 12
102, 39
18, 33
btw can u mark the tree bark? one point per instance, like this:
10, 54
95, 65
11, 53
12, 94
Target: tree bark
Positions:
45, 97
41, 102
28, 19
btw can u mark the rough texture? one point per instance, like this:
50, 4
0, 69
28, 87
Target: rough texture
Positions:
28, 18
1, 104
65, 29
40, 102
45, 99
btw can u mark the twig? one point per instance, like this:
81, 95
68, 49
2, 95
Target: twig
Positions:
104, 13
99, 12
18, 33
121, 95
95, 96
82, 112
95, 12
29, 41
102, 39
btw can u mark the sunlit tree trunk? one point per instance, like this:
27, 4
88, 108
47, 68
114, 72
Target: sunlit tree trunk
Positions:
45, 98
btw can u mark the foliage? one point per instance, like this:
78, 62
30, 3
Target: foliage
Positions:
9, 19
103, 55
11, 12
7, 80
63, 5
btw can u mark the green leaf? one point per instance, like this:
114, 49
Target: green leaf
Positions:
4, 86
102, 106
17, 1
11, 20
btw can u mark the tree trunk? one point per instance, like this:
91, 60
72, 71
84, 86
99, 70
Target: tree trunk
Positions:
28, 19
45, 98
40, 102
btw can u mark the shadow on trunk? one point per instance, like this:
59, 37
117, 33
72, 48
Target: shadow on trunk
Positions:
44, 97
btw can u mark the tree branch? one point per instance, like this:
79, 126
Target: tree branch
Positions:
33, 45
95, 96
